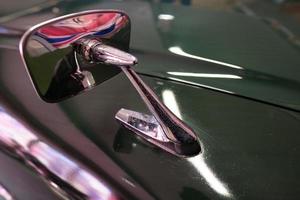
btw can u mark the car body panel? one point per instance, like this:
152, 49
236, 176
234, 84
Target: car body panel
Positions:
250, 148
218, 43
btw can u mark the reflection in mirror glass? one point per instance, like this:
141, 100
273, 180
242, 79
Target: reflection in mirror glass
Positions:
56, 70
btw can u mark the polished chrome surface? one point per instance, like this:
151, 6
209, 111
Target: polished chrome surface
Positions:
76, 45
48, 53
245, 143
4, 194
96, 51
64, 175
142, 123
182, 139
147, 127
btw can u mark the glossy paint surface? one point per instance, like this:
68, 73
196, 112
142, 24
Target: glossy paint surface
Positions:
250, 149
238, 47
226, 50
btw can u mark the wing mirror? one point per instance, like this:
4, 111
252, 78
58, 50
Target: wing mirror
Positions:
73, 53
55, 52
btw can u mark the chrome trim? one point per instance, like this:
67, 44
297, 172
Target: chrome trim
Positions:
27, 34
4, 194
63, 174
182, 141
142, 123
94, 50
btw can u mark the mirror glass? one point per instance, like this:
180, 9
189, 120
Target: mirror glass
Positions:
56, 70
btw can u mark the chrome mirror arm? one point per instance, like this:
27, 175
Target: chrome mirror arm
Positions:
183, 139
178, 138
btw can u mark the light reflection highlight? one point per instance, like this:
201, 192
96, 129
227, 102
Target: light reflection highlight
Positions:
49, 162
212, 180
177, 50
166, 17
200, 85
14, 133
4, 194
169, 100
205, 75
197, 161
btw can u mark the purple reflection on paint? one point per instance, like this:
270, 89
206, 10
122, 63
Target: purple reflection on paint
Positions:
16, 136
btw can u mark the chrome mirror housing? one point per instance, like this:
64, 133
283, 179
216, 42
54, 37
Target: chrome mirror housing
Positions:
73, 53
56, 69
